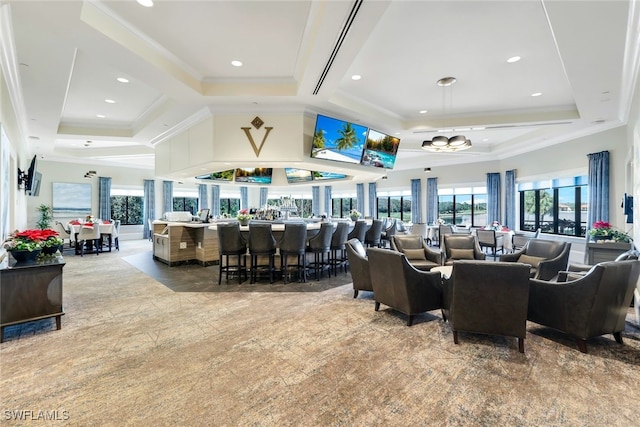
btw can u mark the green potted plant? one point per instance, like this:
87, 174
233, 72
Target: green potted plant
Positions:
46, 216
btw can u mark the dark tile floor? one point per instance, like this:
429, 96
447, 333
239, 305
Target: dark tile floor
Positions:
197, 278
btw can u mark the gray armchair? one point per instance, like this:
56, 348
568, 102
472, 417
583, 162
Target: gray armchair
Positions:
419, 254
546, 257
399, 285
359, 265
488, 298
590, 306
461, 246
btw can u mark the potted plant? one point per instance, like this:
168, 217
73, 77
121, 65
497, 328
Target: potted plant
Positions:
243, 216
354, 214
24, 245
46, 215
602, 230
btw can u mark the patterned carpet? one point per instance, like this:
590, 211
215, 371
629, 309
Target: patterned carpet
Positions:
132, 351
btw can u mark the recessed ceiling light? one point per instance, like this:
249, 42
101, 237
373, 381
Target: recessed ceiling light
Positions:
122, 80
109, 101
356, 77
485, 140
513, 59
536, 94
423, 111
100, 116
145, 3
236, 63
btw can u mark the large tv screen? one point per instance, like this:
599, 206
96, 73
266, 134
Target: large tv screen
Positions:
254, 175
297, 175
318, 175
380, 150
338, 140
219, 176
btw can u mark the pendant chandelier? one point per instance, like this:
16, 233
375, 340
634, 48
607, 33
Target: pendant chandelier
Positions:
443, 143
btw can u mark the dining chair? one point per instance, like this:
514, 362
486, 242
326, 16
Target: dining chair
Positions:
489, 239
63, 233
89, 235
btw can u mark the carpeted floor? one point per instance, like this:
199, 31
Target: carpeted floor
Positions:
132, 351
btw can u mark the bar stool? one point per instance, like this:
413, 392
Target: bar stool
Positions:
261, 244
231, 243
338, 255
373, 236
358, 232
319, 246
294, 243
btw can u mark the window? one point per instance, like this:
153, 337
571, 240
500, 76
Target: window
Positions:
127, 209
229, 206
398, 207
463, 206
555, 207
342, 206
185, 204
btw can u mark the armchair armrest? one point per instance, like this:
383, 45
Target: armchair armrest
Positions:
549, 268
579, 267
431, 255
513, 257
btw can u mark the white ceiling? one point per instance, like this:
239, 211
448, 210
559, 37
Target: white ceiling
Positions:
177, 56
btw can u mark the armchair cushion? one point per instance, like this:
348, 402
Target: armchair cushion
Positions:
462, 253
415, 254
533, 261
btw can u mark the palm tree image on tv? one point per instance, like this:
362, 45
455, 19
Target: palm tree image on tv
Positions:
347, 138
318, 139
338, 140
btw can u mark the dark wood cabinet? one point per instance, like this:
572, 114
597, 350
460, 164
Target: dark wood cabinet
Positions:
605, 251
30, 291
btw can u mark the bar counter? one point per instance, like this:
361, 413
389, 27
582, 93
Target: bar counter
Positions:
184, 242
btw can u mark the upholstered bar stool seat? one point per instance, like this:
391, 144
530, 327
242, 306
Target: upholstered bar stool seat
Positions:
294, 244
373, 236
320, 246
358, 232
262, 245
232, 244
338, 256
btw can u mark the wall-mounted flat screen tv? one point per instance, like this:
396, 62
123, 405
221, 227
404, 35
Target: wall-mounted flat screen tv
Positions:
254, 175
297, 175
338, 140
318, 175
380, 150
219, 176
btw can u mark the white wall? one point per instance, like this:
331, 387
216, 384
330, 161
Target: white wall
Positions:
74, 173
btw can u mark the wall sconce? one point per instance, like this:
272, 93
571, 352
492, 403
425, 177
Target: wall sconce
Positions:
90, 174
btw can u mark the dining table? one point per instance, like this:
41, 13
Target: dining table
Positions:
107, 230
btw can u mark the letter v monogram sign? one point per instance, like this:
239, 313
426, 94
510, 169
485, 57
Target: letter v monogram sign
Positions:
257, 123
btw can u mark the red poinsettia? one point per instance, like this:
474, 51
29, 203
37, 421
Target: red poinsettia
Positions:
31, 239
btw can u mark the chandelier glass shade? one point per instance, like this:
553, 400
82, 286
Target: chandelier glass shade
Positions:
442, 143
